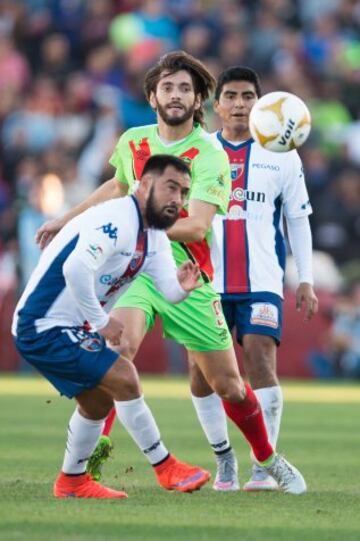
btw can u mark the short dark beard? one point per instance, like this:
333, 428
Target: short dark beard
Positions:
154, 216
175, 121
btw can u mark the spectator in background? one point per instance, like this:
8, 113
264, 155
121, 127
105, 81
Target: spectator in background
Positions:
341, 355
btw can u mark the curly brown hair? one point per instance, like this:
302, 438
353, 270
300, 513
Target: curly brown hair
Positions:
204, 83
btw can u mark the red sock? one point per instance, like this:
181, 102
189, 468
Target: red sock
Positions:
109, 422
247, 415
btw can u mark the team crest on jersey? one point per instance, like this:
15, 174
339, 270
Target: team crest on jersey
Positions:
264, 313
91, 344
237, 170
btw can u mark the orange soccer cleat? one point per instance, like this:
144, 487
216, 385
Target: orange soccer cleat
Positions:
83, 486
175, 475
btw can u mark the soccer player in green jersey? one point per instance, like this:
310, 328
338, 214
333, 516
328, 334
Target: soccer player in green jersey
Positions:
176, 88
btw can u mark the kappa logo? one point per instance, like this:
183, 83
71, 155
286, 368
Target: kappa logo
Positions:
110, 231
263, 313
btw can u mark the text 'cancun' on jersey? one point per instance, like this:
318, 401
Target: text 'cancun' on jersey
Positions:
210, 177
248, 249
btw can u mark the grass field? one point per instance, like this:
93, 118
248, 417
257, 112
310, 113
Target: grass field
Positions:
320, 434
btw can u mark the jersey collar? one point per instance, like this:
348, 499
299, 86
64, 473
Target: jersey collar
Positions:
226, 143
141, 223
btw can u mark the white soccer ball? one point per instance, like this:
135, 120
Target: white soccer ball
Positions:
280, 121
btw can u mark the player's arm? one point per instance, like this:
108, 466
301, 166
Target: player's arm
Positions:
297, 208
195, 226
93, 249
174, 283
109, 190
300, 239
209, 196
115, 187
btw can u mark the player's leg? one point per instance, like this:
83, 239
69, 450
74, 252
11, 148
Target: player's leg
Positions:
241, 405
258, 322
212, 417
135, 415
260, 367
84, 429
135, 323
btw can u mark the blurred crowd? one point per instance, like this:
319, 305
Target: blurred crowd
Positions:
71, 76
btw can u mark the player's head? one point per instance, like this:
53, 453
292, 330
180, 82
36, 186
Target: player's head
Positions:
177, 86
237, 90
165, 183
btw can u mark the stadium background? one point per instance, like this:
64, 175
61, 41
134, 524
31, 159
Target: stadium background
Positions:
71, 81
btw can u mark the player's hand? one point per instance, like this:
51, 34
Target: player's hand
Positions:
112, 331
305, 296
188, 275
47, 232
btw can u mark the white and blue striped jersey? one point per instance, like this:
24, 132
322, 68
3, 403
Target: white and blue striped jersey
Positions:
248, 247
90, 263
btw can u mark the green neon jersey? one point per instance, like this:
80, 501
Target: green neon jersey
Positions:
210, 176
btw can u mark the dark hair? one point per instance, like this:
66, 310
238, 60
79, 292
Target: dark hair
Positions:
159, 162
238, 73
203, 81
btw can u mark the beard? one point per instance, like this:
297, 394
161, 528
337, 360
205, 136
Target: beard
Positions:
175, 121
155, 216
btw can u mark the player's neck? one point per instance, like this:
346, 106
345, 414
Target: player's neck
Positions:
175, 133
234, 135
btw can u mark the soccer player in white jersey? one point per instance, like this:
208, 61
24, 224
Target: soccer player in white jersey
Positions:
248, 250
61, 321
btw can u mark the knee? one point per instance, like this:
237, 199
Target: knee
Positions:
230, 389
125, 384
128, 348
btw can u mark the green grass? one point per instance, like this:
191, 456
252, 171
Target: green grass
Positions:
322, 438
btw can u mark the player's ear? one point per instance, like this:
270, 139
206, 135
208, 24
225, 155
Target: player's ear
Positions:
152, 100
216, 106
198, 102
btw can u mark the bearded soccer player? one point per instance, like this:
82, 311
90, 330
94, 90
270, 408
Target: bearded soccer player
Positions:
61, 321
176, 88
248, 250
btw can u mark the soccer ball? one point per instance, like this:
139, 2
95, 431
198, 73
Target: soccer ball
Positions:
280, 121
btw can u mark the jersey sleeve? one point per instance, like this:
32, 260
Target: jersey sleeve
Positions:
117, 159
295, 196
98, 240
162, 269
211, 179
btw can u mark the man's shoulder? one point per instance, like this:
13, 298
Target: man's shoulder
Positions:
209, 140
138, 132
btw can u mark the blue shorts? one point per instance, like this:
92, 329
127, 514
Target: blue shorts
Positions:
254, 313
72, 359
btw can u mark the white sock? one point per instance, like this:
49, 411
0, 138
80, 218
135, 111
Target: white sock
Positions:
138, 420
83, 435
271, 401
212, 417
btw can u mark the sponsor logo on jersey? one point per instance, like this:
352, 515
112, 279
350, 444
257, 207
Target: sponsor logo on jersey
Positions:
239, 194
110, 231
216, 192
105, 279
263, 313
268, 166
94, 250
